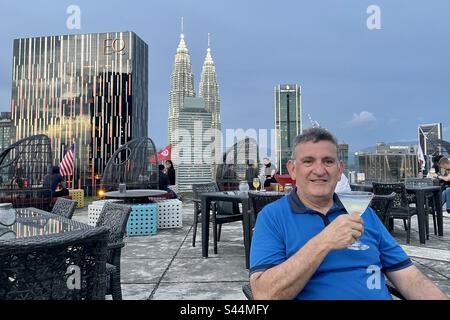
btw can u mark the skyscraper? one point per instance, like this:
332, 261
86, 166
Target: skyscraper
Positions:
343, 155
182, 86
209, 91
5, 130
288, 122
88, 89
192, 149
428, 133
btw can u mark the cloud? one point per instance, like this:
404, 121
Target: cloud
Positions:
361, 119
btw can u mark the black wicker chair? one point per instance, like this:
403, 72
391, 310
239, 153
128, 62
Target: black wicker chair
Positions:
400, 205
39, 268
382, 204
114, 217
258, 200
64, 207
221, 212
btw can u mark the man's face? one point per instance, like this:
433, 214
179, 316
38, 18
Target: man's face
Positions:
266, 161
316, 170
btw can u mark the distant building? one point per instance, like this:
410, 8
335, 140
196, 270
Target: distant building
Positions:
288, 122
343, 155
192, 150
87, 89
5, 130
209, 91
389, 163
427, 133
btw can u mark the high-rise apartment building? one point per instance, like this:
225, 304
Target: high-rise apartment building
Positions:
427, 134
87, 89
192, 149
288, 122
5, 130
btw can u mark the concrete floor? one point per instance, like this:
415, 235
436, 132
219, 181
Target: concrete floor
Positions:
165, 266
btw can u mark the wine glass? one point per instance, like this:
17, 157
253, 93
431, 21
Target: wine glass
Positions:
256, 183
356, 201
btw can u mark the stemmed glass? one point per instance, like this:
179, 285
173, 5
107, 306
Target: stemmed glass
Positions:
256, 183
356, 201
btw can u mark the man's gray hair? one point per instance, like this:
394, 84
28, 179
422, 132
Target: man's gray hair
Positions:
313, 135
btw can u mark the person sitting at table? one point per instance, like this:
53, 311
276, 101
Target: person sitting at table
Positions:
269, 172
164, 182
251, 173
56, 183
299, 246
444, 164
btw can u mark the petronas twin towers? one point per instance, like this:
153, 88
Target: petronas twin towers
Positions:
185, 109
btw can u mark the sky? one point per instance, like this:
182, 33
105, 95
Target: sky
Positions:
365, 85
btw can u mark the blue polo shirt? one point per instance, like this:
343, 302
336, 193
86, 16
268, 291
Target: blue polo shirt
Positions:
286, 225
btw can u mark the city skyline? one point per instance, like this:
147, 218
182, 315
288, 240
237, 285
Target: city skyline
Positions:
381, 84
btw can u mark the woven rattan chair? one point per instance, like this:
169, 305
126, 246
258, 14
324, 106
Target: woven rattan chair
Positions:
64, 207
382, 204
258, 200
114, 217
41, 268
221, 212
400, 205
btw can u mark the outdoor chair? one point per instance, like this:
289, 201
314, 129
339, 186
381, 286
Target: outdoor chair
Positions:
221, 212
42, 268
429, 200
247, 290
258, 200
382, 204
64, 207
400, 208
114, 217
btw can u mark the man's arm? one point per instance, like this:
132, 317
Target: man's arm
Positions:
414, 285
444, 178
289, 278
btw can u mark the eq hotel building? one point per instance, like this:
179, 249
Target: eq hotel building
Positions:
86, 89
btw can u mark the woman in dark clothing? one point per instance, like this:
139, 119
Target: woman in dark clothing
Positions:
170, 172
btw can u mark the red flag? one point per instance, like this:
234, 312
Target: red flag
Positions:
165, 154
66, 165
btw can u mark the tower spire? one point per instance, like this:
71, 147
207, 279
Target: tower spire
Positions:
182, 27
209, 40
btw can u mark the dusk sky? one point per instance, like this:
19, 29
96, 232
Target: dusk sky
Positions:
364, 85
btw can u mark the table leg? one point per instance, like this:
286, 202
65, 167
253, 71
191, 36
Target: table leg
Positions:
438, 201
206, 204
247, 232
420, 203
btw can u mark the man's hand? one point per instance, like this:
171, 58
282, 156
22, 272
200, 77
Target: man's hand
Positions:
343, 231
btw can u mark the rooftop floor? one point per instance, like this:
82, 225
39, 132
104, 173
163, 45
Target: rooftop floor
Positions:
166, 266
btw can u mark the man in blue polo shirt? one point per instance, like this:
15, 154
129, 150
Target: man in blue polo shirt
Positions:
299, 246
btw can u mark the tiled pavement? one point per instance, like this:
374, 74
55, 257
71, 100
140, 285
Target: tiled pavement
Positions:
166, 266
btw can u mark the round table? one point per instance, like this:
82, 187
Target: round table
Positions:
135, 196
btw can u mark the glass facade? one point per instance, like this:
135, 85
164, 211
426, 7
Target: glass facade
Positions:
343, 155
388, 167
5, 130
429, 132
88, 89
288, 122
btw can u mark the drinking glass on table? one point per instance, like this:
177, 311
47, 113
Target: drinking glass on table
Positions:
256, 183
356, 201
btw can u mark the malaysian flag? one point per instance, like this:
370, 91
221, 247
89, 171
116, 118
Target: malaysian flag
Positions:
66, 165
